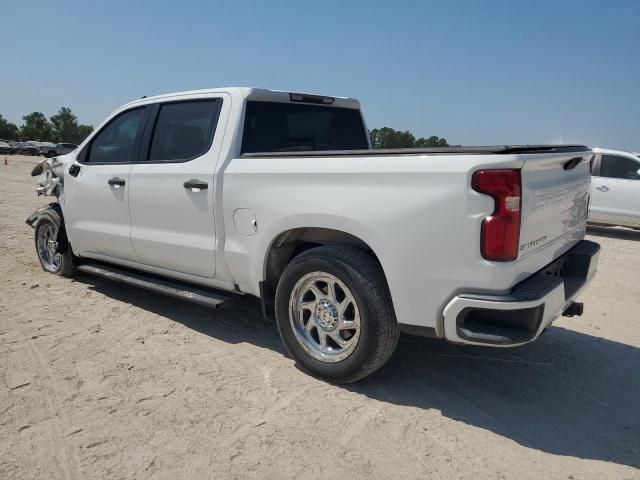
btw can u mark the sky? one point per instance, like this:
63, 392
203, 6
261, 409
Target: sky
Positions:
475, 72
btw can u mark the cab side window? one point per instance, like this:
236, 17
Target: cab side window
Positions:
613, 166
183, 130
116, 142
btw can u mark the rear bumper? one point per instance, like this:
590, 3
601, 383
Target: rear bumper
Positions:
523, 314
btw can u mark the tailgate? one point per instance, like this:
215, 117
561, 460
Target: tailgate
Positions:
555, 199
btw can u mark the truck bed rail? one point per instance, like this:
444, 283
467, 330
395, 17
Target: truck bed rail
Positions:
480, 150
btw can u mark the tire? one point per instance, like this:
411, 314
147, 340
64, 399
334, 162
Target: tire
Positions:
57, 257
360, 299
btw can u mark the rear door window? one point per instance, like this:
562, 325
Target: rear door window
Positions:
183, 130
613, 166
283, 127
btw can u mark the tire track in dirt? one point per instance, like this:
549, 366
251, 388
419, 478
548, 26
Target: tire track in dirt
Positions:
358, 424
280, 403
66, 454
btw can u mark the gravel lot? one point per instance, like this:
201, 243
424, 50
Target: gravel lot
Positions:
102, 381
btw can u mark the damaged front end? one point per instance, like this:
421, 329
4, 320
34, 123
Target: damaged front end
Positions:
51, 173
52, 244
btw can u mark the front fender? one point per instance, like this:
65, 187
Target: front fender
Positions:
32, 220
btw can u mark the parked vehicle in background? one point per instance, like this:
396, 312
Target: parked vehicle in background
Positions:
615, 188
45, 147
278, 195
12, 145
26, 148
60, 149
5, 148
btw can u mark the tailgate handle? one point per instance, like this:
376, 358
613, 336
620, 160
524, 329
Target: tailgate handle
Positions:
573, 163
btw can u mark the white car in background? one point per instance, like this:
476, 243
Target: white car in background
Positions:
615, 188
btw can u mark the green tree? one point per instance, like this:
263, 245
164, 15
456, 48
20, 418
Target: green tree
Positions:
36, 127
389, 138
65, 127
8, 130
82, 133
433, 141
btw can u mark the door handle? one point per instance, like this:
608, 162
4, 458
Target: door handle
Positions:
602, 188
195, 185
116, 182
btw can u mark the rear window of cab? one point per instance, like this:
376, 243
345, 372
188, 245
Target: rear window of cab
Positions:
290, 127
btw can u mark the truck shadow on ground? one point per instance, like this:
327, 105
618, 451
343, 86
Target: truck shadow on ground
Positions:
569, 393
619, 233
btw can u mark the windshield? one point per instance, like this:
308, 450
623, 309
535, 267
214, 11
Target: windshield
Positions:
282, 127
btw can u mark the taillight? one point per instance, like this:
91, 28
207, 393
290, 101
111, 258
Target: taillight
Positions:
501, 230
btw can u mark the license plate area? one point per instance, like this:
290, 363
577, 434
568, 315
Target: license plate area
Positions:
576, 267
557, 268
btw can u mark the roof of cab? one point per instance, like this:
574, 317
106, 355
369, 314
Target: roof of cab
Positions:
252, 93
613, 152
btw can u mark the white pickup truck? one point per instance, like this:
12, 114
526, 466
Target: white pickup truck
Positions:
278, 195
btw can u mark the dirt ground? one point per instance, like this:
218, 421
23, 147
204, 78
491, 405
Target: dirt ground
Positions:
102, 381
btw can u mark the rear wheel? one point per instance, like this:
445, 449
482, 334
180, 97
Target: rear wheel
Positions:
334, 313
52, 247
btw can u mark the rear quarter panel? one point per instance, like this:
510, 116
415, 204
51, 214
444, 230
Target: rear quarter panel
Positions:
417, 213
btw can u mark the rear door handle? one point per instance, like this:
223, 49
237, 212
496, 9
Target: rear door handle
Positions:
195, 185
602, 188
116, 182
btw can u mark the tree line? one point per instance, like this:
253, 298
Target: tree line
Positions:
61, 127
389, 138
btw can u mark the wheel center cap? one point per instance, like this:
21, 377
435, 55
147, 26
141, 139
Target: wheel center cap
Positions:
326, 315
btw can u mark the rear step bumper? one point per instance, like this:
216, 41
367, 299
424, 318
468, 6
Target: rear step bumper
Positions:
176, 289
523, 314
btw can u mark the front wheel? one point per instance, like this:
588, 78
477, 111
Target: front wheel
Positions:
334, 313
52, 247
